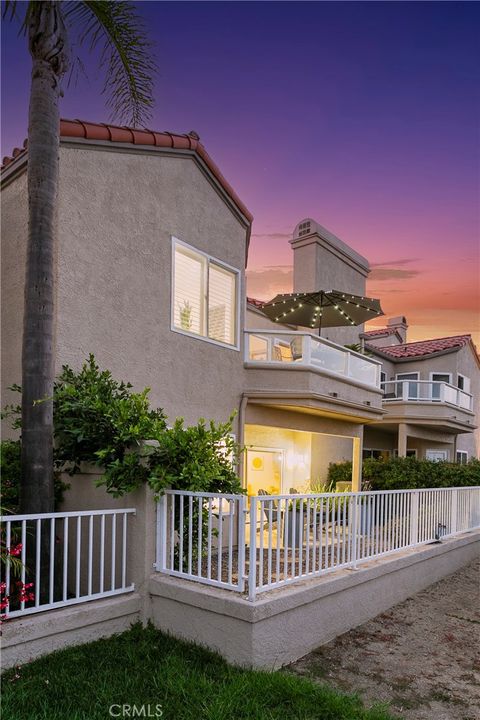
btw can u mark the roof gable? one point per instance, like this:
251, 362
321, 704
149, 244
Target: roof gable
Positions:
424, 348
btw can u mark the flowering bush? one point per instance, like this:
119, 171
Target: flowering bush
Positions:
19, 591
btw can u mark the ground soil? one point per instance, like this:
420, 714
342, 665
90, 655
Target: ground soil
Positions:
422, 656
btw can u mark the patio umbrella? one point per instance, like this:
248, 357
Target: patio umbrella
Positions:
323, 308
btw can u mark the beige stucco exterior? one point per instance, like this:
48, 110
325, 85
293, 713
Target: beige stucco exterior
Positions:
430, 425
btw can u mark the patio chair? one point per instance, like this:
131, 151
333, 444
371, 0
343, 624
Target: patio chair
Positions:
296, 348
282, 353
266, 508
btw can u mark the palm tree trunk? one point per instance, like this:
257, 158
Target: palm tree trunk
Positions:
46, 34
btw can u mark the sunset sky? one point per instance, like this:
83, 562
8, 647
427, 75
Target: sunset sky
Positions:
363, 116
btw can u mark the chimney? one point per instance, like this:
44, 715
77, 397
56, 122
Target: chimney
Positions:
400, 325
321, 261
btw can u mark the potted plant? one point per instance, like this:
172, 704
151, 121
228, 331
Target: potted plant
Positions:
185, 315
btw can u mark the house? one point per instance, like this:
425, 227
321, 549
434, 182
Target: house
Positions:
150, 267
431, 390
152, 244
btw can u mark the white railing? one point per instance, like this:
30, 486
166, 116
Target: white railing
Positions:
201, 536
426, 391
289, 349
69, 558
273, 541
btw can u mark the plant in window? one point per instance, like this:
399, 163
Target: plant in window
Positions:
185, 310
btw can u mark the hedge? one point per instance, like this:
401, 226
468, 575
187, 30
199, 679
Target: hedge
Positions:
405, 473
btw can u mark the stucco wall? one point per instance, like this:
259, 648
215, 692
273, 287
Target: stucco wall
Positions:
14, 226
117, 214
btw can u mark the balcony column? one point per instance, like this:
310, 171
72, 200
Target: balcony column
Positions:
357, 465
402, 440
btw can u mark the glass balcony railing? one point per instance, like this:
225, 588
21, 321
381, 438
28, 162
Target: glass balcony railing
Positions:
426, 391
302, 348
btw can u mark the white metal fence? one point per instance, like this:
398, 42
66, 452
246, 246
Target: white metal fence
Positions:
271, 541
69, 558
201, 536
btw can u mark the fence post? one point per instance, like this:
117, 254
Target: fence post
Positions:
454, 512
242, 511
354, 531
161, 561
252, 570
414, 518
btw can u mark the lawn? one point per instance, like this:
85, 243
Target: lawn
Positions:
143, 667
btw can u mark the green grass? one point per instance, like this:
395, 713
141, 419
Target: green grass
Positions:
144, 666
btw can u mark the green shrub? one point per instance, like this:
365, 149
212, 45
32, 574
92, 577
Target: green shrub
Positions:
101, 421
409, 473
201, 457
10, 468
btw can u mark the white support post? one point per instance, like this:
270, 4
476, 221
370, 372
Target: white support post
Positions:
347, 365
405, 387
354, 531
242, 511
161, 561
252, 571
414, 518
402, 440
454, 511
306, 350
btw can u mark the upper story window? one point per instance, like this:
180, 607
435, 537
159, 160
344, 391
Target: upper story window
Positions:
205, 298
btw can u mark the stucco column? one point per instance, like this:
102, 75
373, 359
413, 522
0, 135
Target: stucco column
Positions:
357, 465
402, 440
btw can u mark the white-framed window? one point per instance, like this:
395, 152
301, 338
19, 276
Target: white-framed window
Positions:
411, 387
436, 378
462, 457
436, 455
410, 453
375, 453
383, 376
463, 382
205, 296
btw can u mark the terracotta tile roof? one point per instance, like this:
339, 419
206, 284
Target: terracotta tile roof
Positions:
424, 347
378, 332
255, 302
114, 133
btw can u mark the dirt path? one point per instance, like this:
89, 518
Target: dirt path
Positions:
422, 656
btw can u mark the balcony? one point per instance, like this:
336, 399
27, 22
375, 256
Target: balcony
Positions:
426, 391
302, 350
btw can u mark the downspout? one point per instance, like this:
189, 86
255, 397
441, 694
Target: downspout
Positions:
241, 435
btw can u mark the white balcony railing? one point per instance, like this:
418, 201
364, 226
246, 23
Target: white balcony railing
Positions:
283, 348
426, 391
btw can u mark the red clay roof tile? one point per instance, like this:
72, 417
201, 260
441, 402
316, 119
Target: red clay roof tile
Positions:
378, 332
114, 133
255, 302
424, 347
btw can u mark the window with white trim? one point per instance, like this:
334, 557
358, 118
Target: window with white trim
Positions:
375, 454
463, 382
409, 453
462, 457
204, 296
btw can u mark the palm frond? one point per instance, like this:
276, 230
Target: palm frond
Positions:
126, 54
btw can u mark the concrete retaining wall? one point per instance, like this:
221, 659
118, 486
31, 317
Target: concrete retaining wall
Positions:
27, 638
285, 624
278, 628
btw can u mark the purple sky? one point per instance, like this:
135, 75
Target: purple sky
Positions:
364, 116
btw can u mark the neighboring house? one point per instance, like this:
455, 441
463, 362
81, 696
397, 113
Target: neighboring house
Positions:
150, 267
431, 390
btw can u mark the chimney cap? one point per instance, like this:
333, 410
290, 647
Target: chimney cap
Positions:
395, 321
310, 231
